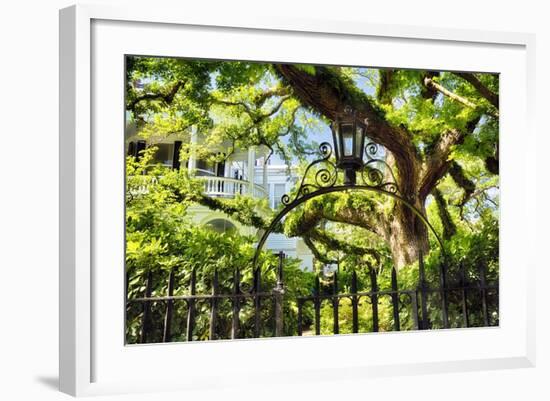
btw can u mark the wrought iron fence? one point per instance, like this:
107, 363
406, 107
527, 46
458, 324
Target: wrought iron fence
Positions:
473, 303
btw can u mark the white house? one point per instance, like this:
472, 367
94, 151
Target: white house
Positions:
242, 172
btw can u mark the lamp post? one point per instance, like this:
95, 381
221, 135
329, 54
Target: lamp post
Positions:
348, 134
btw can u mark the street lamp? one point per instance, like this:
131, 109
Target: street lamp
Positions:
348, 134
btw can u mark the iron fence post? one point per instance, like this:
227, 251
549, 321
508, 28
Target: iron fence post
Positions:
257, 302
483, 291
335, 302
191, 306
414, 307
354, 303
317, 306
167, 334
213, 307
395, 299
424, 292
146, 318
464, 284
278, 293
443, 290
300, 305
236, 305
374, 298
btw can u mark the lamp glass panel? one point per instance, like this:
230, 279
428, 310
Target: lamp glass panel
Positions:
346, 133
336, 140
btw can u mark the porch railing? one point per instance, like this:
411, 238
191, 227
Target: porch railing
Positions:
224, 187
229, 187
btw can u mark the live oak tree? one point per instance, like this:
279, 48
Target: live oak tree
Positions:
439, 131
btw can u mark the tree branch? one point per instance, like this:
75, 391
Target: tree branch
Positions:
427, 91
274, 110
365, 217
246, 217
480, 87
313, 215
383, 92
233, 103
492, 162
332, 242
276, 91
458, 176
449, 227
243, 215
430, 83
315, 251
437, 162
166, 97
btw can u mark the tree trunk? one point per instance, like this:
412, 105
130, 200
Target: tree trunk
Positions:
406, 235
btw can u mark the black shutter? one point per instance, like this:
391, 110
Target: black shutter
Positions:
220, 170
139, 148
176, 157
131, 149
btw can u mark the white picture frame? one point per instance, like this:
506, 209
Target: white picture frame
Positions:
91, 362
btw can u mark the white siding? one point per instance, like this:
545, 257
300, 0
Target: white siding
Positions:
280, 242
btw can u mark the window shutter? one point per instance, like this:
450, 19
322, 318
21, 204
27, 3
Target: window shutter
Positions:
176, 157
131, 149
139, 148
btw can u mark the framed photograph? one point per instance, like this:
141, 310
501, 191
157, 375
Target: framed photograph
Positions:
289, 200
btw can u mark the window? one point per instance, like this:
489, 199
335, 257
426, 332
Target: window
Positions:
205, 167
164, 154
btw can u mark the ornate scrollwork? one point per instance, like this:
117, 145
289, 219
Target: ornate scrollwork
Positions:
375, 173
404, 298
371, 150
325, 177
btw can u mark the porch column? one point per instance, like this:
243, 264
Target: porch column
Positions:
192, 163
264, 178
251, 172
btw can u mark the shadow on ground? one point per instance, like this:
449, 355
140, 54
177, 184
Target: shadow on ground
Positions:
52, 382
